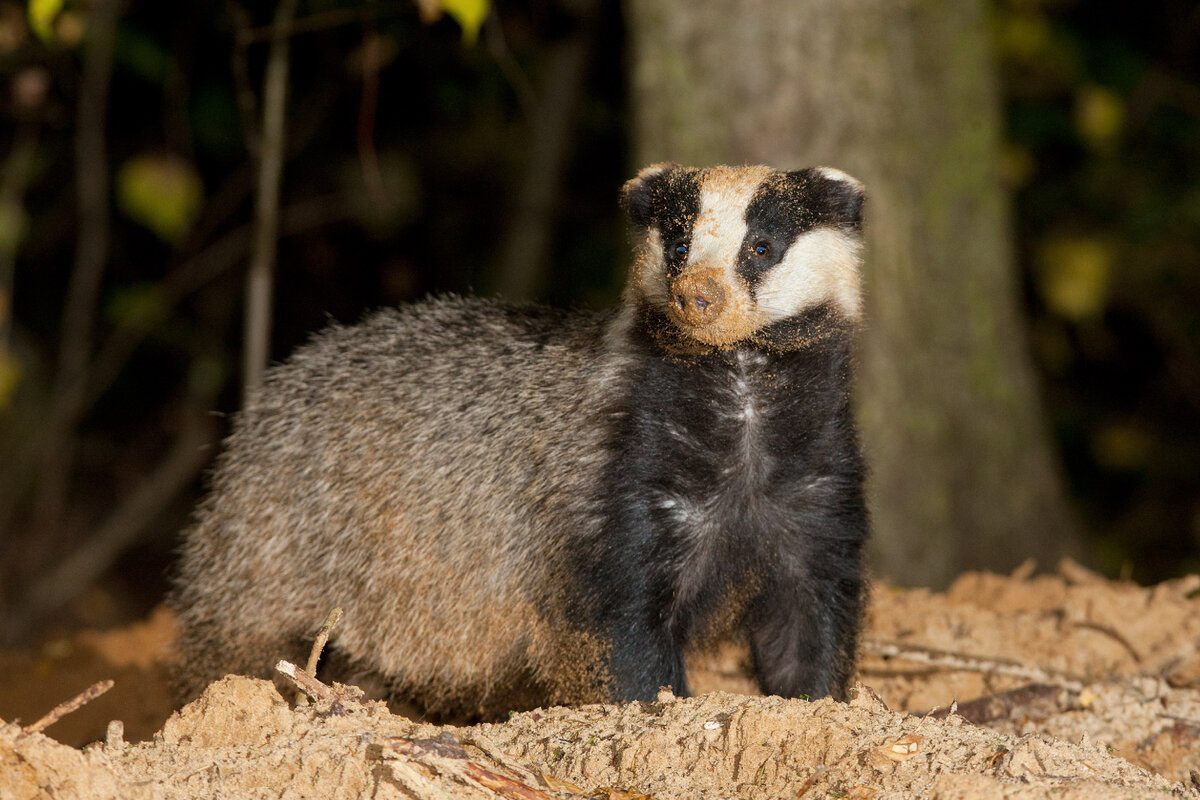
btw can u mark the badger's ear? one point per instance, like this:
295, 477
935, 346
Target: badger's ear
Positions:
638, 195
842, 197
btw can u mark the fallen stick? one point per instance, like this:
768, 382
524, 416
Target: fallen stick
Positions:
971, 663
446, 756
1033, 701
502, 785
75, 703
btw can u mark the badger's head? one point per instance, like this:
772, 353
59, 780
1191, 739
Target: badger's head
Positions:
731, 255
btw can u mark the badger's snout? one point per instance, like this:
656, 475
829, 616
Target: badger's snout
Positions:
699, 296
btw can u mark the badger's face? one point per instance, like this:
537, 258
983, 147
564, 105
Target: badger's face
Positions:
730, 251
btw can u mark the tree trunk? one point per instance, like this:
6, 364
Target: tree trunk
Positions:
902, 96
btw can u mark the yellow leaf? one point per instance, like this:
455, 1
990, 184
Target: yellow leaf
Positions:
1099, 116
469, 14
1073, 275
10, 377
162, 192
1121, 447
42, 14
1024, 36
14, 224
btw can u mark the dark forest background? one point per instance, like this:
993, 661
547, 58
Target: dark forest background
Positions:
423, 155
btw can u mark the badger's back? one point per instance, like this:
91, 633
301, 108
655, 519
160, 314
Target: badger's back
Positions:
421, 470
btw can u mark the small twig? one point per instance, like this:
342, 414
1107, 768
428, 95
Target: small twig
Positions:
74, 704
322, 637
489, 749
305, 682
314, 655
1114, 635
971, 663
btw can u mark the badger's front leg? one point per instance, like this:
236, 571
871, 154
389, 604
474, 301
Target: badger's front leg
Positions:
803, 626
623, 592
643, 656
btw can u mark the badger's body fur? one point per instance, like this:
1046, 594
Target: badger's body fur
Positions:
518, 506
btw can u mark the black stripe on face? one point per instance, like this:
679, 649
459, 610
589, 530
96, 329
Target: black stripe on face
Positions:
787, 205
668, 201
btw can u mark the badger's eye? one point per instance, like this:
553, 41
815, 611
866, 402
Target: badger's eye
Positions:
762, 249
680, 250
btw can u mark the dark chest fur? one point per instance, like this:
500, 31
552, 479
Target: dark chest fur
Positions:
726, 469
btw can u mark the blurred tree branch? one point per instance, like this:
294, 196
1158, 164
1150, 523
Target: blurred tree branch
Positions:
91, 257
551, 116
247, 102
189, 453
260, 280
14, 182
183, 280
324, 20
193, 274
368, 106
193, 446
518, 81
41, 456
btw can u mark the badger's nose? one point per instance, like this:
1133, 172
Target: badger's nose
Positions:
699, 297
699, 301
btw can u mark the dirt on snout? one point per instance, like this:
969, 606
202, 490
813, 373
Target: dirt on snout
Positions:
1067, 686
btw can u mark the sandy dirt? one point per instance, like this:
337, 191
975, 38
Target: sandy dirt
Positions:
1067, 686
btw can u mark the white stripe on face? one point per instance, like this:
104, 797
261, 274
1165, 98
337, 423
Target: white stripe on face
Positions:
720, 228
820, 266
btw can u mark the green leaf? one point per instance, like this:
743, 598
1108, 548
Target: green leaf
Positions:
469, 14
162, 192
138, 306
142, 54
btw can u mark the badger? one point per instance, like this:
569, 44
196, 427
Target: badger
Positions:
519, 506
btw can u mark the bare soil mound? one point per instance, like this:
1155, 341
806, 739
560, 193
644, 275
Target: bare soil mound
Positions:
1068, 686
